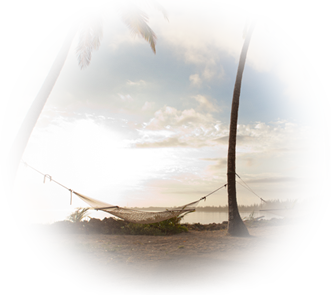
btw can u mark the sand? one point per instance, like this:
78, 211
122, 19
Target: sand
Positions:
197, 262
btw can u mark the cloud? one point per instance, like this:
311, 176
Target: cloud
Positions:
289, 179
220, 163
292, 150
203, 35
205, 104
292, 168
274, 179
172, 127
138, 83
148, 106
126, 98
195, 80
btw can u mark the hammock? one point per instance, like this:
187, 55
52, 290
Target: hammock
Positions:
136, 216
130, 215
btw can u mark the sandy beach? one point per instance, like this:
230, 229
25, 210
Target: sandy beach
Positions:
194, 260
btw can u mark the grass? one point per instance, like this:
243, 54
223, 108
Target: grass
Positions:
166, 227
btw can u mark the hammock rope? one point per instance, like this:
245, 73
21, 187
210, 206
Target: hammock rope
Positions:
131, 215
286, 212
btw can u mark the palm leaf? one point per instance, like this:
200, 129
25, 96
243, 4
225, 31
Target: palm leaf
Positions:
137, 20
247, 23
290, 41
307, 70
159, 7
89, 40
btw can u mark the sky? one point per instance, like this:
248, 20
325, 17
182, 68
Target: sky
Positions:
34, 26
136, 128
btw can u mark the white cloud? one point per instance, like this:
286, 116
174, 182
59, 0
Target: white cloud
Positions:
126, 98
172, 127
148, 106
205, 104
279, 139
195, 80
137, 83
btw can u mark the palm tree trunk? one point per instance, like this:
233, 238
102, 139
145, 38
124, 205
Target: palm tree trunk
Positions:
236, 226
327, 140
25, 131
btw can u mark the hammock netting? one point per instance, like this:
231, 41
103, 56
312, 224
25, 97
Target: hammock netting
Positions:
136, 216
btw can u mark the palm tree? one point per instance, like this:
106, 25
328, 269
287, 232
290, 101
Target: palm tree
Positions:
307, 73
78, 215
236, 226
89, 40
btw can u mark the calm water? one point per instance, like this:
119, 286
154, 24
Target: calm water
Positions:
219, 217
44, 216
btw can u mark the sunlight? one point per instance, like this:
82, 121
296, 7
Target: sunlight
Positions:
93, 159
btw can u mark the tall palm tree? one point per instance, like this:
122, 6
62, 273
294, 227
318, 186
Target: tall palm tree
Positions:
89, 40
236, 226
308, 73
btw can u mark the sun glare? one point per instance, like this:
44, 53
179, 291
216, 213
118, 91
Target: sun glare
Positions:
106, 162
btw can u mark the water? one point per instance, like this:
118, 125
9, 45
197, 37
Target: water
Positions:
219, 217
45, 216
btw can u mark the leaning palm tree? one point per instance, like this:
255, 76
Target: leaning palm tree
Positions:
89, 40
236, 226
308, 73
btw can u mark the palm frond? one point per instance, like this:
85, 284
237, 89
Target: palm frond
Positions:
290, 41
307, 70
266, 27
89, 40
152, 3
78, 215
137, 20
247, 23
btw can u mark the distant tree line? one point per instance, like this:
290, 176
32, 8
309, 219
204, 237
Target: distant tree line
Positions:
272, 204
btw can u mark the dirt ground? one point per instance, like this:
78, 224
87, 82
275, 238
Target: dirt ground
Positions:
197, 262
